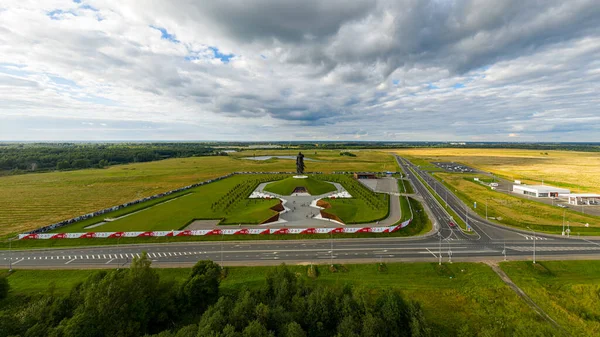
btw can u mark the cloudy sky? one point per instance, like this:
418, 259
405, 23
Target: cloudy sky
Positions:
300, 70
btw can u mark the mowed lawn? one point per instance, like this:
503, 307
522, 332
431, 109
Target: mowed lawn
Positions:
175, 213
467, 296
34, 200
356, 210
578, 171
568, 291
287, 186
515, 211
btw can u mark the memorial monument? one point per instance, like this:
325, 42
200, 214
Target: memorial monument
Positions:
300, 163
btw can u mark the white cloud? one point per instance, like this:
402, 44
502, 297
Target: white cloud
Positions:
416, 70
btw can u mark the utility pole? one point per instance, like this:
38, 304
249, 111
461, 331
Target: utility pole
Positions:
534, 239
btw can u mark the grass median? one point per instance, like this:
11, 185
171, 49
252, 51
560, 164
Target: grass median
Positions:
458, 220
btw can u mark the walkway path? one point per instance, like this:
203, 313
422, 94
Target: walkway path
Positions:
524, 296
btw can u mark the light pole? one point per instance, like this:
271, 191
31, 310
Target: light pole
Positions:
331, 241
504, 251
222, 238
564, 213
533, 243
440, 249
449, 251
486, 214
568, 229
10, 255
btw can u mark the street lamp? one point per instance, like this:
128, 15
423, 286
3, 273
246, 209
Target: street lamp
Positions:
10, 255
449, 251
534, 238
504, 251
222, 238
564, 213
486, 214
440, 249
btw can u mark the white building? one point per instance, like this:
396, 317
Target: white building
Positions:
540, 191
582, 198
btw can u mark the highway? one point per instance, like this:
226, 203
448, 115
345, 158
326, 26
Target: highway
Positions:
488, 242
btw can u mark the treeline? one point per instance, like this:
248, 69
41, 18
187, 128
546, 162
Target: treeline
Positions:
20, 158
137, 302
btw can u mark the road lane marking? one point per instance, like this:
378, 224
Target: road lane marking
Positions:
70, 261
121, 255
109, 261
104, 256
138, 255
431, 253
18, 261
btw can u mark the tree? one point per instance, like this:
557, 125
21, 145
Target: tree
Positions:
293, 329
201, 288
63, 165
4, 287
255, 329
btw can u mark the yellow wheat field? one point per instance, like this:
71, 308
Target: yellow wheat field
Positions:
578, 171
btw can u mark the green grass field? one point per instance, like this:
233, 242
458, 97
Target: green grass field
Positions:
465, 298
286, 186
364, 206
355, 210
34, 200
514, 211
568, 291
197, 203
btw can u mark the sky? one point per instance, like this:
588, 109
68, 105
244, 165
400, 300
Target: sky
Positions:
266, 70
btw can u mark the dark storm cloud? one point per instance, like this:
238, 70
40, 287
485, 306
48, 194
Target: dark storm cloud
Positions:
286, 21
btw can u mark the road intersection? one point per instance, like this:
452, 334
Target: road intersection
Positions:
488, 242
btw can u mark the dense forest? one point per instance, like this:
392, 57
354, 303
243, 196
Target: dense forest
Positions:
136, 302
20, 158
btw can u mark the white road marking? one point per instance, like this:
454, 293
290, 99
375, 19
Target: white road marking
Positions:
18, 261
121, 255
138, 255
109, 261
69, 261
431, 253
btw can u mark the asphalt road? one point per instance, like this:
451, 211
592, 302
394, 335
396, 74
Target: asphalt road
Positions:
489, 242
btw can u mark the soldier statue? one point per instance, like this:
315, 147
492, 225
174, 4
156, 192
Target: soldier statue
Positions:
300, 163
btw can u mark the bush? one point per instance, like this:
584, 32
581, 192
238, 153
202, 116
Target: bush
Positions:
4, 287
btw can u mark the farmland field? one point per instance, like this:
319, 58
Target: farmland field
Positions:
196, 203
34, 200
515, 211
568, 291
578, 171
226, 200
472, 300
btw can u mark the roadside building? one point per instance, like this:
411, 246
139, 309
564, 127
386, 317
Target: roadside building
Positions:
582, 198
540, 191
364, 175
